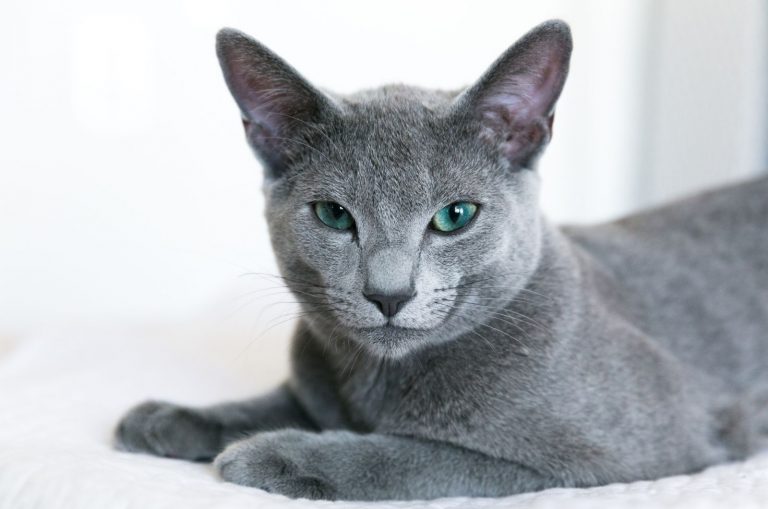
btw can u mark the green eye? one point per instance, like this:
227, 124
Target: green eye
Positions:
334, 215
454, 217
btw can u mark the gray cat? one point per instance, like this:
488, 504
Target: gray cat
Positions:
456, 343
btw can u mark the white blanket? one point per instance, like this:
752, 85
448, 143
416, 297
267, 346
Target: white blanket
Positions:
61, 394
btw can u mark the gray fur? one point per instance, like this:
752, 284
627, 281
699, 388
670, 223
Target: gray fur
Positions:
532, 356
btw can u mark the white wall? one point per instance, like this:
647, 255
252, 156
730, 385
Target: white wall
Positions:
127, 193
706, 96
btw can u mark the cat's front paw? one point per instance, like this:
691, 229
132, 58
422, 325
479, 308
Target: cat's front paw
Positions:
164, 429
287, 462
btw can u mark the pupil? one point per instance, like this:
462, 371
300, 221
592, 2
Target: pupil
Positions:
337, 210
455, 212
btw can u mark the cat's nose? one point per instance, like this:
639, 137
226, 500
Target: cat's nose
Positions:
389, 304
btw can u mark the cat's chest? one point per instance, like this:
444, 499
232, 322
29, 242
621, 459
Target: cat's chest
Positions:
436, 398
486, 409
482, 400
490, 403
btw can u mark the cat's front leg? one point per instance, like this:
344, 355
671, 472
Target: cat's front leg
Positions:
349, 466
199, 434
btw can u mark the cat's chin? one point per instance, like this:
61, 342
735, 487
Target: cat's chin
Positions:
392, 341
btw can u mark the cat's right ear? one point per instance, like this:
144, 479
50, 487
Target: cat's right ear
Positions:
279, 107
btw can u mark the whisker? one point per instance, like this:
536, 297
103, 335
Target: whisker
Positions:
516, 326
257, 294
350, 364
308, 301
324, 307
480, 324
290, 318
330, 336
278, 276
514, 316
449, 310
481, 293
494, 287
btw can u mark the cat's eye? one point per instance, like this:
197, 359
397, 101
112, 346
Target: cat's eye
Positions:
334, 215
453, 217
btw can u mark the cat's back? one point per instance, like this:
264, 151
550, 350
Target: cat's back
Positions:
723, 222
693, 274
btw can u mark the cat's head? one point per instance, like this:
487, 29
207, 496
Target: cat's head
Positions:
399, 216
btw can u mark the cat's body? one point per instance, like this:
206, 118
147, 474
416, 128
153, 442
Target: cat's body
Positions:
500, 354
693, 275
645, 356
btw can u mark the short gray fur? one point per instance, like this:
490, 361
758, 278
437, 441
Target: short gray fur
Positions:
532, 356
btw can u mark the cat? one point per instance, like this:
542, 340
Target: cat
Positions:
453, 341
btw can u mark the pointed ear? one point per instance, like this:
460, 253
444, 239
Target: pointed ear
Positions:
514, 101
280, 109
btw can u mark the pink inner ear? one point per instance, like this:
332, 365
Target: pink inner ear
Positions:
516, 105
524, 96
517, 140
266, 103
277, 104
271, 95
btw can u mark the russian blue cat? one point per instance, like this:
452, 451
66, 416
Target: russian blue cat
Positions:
453, 341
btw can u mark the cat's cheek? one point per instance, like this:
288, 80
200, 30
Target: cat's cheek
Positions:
427, 309
332, 256
464, 253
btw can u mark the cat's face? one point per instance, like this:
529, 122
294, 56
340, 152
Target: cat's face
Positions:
401, 217
392, 164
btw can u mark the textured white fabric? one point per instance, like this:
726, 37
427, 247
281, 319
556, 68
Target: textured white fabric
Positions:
61, 394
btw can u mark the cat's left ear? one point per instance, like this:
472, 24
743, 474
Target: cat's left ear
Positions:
514, 101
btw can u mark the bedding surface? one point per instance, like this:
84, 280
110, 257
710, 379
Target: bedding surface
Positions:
62, 393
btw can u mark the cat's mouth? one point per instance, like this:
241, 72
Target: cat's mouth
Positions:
391, 340
402, 330
394, 338
395, 328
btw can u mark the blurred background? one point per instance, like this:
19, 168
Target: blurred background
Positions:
128, 196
